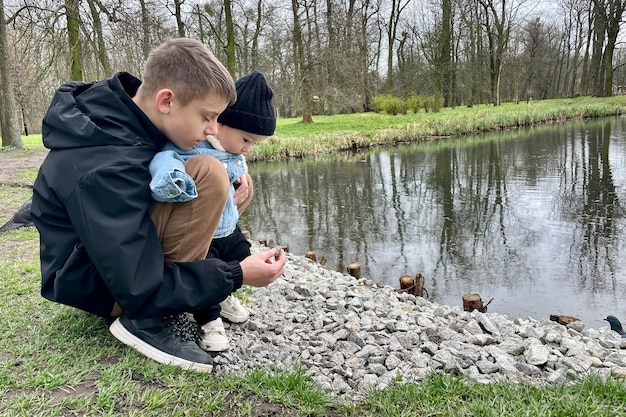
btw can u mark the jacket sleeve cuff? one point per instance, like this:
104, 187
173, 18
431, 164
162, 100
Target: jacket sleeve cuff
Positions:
237, 274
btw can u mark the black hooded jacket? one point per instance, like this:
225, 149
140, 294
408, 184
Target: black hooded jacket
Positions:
90, 205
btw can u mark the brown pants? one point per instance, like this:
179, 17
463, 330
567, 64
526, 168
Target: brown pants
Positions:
186, 229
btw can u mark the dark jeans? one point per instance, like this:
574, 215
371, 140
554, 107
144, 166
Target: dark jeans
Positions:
234, 247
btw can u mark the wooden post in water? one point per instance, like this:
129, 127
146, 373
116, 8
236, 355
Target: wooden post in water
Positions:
354, 269
407, 282
413, 284
311, 255
472, 301
564, 320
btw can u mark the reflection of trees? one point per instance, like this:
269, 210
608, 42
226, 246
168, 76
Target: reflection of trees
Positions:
324, 206
443, 179
594, 204
472, 195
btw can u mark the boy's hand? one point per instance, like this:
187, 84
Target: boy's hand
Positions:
263, 268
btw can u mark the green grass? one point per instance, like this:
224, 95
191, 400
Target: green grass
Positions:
58, 361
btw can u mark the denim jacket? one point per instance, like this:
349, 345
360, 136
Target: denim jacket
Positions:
171, 184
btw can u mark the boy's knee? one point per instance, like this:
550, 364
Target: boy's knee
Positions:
202, 166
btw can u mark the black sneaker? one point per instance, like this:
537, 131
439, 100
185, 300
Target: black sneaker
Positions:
170, 340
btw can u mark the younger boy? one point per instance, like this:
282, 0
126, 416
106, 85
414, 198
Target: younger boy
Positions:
250, 120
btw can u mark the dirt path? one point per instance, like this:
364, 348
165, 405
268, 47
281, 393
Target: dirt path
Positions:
14, 191
14, 161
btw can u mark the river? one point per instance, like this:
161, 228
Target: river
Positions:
530, 219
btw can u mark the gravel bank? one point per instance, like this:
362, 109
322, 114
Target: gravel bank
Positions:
353, 335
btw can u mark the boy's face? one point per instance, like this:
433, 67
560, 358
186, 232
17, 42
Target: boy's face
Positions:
186, 126
237, 141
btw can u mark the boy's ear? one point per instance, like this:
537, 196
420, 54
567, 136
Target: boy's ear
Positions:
163, 100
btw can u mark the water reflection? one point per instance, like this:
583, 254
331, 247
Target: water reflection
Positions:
531, 218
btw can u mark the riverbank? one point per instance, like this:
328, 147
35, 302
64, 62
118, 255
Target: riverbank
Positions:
353, 336
349, 132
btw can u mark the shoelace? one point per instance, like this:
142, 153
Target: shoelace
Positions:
182, 326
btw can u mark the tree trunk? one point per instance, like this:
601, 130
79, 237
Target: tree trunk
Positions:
596, 83
305, 86
392, 28
145, 30
331, 67
585, 78
445, 59
99, 38
180, 24
8, 106
254, 54
614, 19
498, 34
230, 38
73, 36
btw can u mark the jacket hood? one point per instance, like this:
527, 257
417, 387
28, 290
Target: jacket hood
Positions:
98, 114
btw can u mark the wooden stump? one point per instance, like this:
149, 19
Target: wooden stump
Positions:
263, 241
323, 260
564, 320
354, 269
407, 282
419, 285
413, 284
472, 301
311, 255
284, 247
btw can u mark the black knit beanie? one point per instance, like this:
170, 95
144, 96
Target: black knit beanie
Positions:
253, 111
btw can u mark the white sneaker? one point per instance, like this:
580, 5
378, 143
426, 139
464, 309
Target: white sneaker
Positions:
233, 310
213, 336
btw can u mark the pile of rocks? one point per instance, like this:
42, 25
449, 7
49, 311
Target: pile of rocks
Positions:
353, 335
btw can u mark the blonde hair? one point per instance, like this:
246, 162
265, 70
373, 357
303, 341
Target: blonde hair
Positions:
189, 69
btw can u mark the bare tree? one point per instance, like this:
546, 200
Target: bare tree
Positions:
610, 12
534, 40
72, 15
8, 113
397, 6
95, 6
471, 57
145, 23
444, 80
230, 38
259, 19
574, 17
303, 72
178, 15
498, 30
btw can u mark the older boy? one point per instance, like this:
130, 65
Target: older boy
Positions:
103, 247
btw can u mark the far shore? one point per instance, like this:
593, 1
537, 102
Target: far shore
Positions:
356, 131
328, 134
